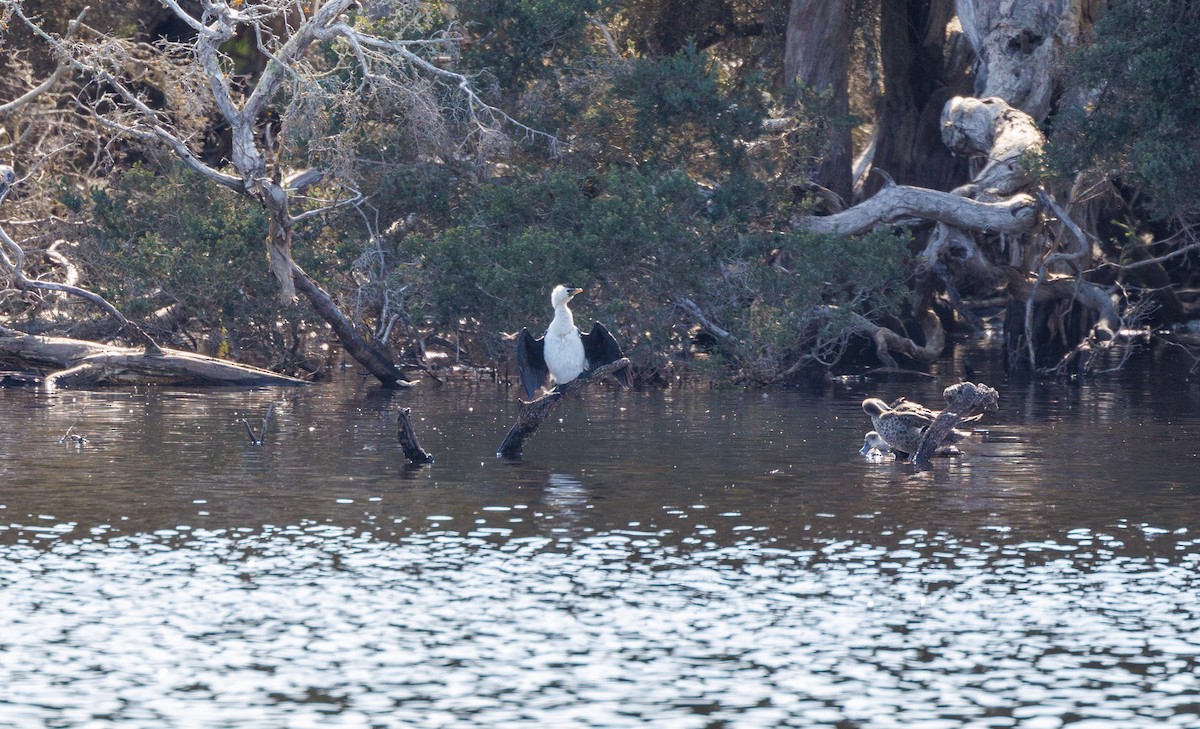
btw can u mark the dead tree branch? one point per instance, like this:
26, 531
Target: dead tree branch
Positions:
1016, 214
12, 261
709, 326
887, 341
43, 87
408, 440
532, 413
963, 401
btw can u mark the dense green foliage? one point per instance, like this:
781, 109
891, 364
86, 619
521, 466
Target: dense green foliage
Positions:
165, 239
521, 40
1142, 120
662, 201
639, 243
664, 197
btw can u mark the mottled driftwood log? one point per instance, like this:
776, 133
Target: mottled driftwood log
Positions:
535, 411
408, 440
963, 400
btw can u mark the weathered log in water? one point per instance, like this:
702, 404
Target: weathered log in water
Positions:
532, 413
963, 401
408, 440
77, 363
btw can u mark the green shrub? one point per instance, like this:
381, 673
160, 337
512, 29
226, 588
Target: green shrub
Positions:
168, 237
639, 242
520, 40
1143, 121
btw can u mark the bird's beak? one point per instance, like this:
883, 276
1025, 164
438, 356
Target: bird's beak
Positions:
575, 291
865, 449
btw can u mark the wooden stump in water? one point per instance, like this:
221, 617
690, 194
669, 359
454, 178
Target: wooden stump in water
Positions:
532, 413
408, 440
963, 400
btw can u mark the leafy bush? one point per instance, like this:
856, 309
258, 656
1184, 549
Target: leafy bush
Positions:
520, 40
167, 238
639, 243
661, 199
1143, 121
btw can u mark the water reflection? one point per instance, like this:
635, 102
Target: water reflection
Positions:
672, 559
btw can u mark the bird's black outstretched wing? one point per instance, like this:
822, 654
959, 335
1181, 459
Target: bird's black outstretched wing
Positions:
531, 363
600, 349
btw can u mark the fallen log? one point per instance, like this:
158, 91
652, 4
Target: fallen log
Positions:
963, 401
532, 413
77, 363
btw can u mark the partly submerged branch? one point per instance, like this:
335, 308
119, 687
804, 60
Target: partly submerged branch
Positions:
532, 413
76, 363
413, 451
261, 436
963, 401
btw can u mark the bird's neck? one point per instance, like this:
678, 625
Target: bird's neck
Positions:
563, 320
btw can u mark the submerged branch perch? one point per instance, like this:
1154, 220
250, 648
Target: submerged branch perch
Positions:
963, 400
408, 440
261, 437
532, 413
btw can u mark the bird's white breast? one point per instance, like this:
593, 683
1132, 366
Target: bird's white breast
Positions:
563, 349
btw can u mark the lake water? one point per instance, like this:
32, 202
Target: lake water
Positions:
689, 558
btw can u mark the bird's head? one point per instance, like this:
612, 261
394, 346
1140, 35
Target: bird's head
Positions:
562, 294
874, 407
874, 441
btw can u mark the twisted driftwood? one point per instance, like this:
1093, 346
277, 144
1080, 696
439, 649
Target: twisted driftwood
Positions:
532, 413
963, 400
408, 440
1016, 214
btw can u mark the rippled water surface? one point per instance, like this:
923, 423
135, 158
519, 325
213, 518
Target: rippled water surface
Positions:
687, 558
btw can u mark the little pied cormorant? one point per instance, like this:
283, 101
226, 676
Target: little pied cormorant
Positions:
564, 352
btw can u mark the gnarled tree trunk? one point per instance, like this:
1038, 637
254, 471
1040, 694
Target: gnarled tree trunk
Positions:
817, 55
925, 61
1021, 46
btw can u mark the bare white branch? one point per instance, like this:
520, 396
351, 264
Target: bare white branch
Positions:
44, 86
